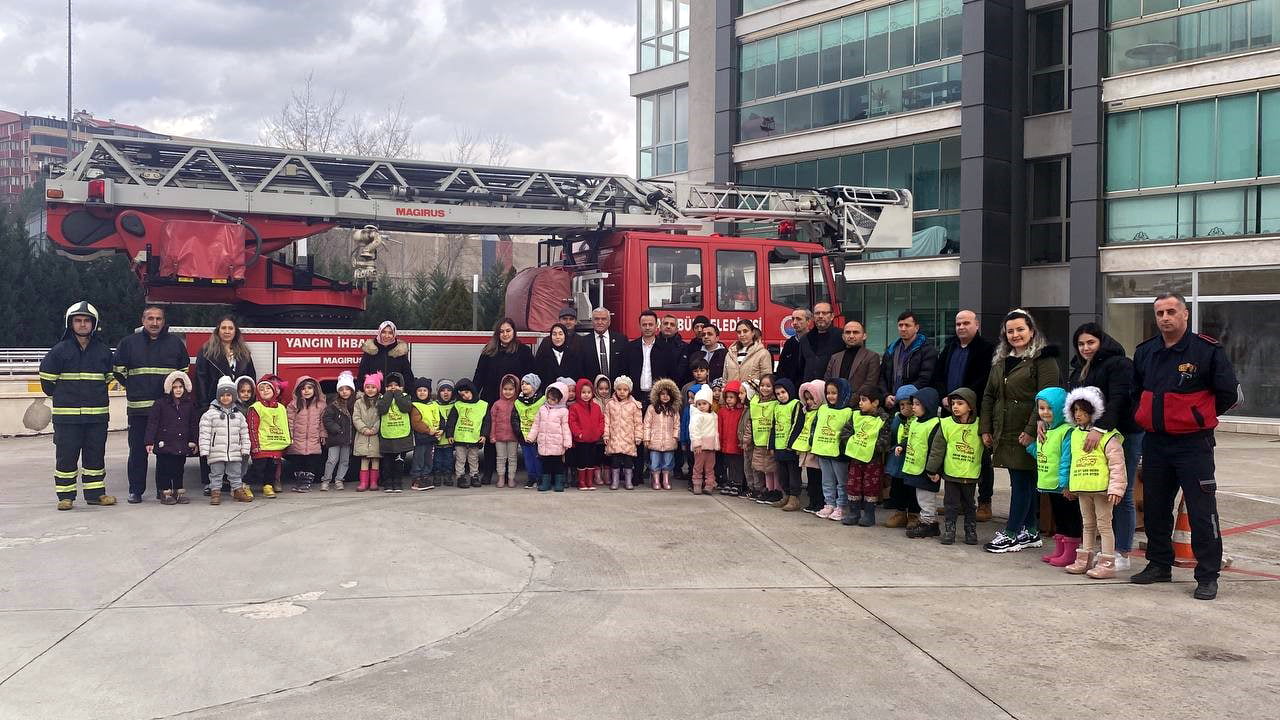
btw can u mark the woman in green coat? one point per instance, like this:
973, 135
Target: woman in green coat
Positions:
1024, 364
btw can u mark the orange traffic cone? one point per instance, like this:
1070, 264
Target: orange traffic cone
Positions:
1183, 556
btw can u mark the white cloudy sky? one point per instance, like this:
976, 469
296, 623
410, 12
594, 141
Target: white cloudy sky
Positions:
549, 75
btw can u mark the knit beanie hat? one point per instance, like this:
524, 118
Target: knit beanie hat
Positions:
373, 379
624, 380
534, 381
347, 380
226, 386
396, 378
422, 383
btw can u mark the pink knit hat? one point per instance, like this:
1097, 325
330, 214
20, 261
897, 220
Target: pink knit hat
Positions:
374, 379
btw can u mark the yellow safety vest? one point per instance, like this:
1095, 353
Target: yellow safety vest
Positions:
806, 432
1089, 472
827, 428
430, 413
964, 449
470, 420
1049, 459
761, 422
395, 424
444, 409
866, 430
784, 418
527, 412
273, 427
917, 453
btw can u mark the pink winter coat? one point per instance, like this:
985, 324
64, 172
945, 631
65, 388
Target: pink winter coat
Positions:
623, 426
550, 429
662, 430
306, 425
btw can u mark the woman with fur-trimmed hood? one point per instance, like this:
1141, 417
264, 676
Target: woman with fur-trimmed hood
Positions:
385, 354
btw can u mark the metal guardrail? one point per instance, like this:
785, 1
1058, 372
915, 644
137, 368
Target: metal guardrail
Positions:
21, 361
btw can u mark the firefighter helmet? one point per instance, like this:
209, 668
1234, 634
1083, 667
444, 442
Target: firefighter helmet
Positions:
82, 308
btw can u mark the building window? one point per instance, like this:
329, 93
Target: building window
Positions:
1238, 307
754, 5
675, 278
1161, 163
930, 170
1193, 35
870, 43
888, 95
736, 280
877, 306
664, 32
664, 133
1050, 54
1048, 211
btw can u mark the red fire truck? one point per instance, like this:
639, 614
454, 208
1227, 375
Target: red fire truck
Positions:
201, 221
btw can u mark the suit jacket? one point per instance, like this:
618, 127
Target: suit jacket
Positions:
976, 370
864, 371
617, 355
664, 361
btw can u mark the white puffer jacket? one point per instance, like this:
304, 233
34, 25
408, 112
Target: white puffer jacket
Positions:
224, 434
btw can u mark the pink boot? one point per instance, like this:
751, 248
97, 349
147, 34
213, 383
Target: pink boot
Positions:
364, 481
373, 478
1057, 549
1068, 556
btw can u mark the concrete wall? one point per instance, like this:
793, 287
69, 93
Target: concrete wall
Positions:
1088, 120
20, 392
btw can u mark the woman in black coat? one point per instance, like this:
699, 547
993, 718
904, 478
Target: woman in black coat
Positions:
384, 354
1100, 361
558, 358
503, 355
223, 355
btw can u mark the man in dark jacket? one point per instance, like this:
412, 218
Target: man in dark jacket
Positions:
605, 348
649, 358
143, 360
709, 348
854, 363
821, 342
790, 361
965, 362
909, 360
75, 373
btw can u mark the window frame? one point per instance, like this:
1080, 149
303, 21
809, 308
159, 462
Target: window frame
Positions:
1061, 166
674, 36
754, 289
651, 276
676, 144
1063, 67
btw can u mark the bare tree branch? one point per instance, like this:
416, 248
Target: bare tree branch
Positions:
388, 134
306, 121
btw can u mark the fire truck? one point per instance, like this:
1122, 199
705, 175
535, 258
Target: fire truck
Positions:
206, 222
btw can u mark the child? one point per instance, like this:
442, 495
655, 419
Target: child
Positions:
915, 455
246, 394
550, 431
586, 423
1051, 476
812, 394
443, 460
662, 431
902, 499
395, 432
831, 431
468, 425
604, 393
366, 420
762, 473
956, 455
717, 397
866, 450
268, 434
729, 419
623, 433
306, 431
339, 431
704, 441
424, 420
1097, 479
173, 427
224, 443
527, 404
684, 456
504, 430
786, 413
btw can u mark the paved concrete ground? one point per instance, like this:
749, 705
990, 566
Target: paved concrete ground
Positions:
511, 603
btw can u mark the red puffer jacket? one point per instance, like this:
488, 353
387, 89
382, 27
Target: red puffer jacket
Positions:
586, 419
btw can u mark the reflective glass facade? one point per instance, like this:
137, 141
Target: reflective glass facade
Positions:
1193, 35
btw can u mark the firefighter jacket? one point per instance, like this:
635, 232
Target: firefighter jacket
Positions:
141, 364
77, 380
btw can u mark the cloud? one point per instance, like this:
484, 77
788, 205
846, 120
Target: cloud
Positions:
551, 76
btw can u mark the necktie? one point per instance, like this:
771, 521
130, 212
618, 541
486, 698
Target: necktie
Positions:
604, 356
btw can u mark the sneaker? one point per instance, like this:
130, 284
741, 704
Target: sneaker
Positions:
324, 486
206, 491
398, 490
426, 484
826, 511
268, 491
1152, 573
1207, 590
337, 485
388, 489
811, 511
1029, 539
1123, 563
301, 488
1002, 543
242, 494
765, 497
837, 514
529, 484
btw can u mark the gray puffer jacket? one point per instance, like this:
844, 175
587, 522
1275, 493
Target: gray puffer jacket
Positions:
224, 434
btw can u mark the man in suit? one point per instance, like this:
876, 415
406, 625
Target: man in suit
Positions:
606, 350
965, 361
649, 358
855, 362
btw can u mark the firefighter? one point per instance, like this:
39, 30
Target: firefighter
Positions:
1182, 383
143, 360
75, 373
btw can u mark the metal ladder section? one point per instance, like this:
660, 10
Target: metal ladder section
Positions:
413, 195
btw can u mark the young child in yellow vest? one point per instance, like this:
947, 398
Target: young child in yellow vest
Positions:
468, 425
424, 419
762, 466
395, 432
368, 444
812, 394
1097, 479
866, 451
955, 456
786, 415
831, 432
915, 457
1051, 474
268, 435
527, 404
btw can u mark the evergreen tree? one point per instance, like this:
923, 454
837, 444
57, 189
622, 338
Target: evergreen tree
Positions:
452, 310
493, 295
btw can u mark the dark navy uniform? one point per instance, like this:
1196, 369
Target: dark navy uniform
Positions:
141, 364
76, 378
1179, 393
